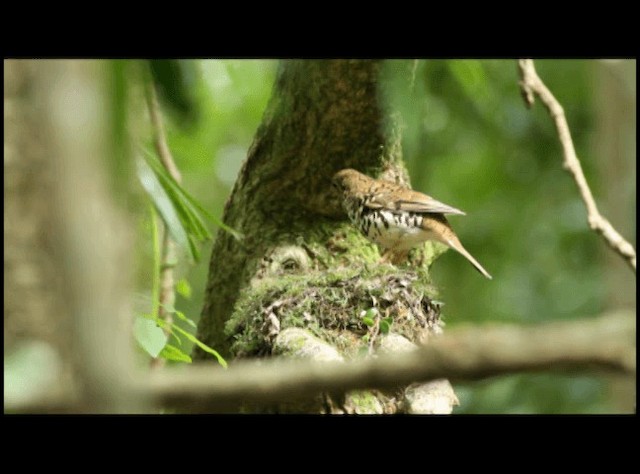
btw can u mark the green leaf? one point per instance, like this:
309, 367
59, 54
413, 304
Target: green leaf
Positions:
201, 345
163, 203
237, 235
175, 328
384, 326
171, 352
187, 212
368, 321
184, 288
150, 337
371, 313
190, 207
178, 194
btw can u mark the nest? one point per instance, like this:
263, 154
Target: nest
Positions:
337, 306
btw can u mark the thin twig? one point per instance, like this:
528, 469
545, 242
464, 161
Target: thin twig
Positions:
159, 137
375, 330
169, 254
531, 85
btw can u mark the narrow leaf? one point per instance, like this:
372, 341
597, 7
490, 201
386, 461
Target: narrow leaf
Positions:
189, 202
368, 321
171, 352
384, 326
162, 203
201, 345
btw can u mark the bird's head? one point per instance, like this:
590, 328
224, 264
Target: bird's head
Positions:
349, 181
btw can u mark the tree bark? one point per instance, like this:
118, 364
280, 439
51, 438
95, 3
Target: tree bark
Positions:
299, 263
323, 116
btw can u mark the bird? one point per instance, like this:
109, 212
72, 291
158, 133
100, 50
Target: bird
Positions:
395, 217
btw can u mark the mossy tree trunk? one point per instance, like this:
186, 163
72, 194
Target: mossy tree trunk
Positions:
298, 253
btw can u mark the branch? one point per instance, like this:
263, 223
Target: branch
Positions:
532, 85
93, 240
159, 137
473, 353
169, 255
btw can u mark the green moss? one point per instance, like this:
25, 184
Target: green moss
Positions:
329, 301
363, 402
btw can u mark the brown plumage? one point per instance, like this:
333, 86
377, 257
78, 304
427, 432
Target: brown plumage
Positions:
397, 218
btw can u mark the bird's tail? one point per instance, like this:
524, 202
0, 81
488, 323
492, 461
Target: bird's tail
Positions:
457, 246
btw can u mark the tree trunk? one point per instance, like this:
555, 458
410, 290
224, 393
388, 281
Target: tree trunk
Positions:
299, 262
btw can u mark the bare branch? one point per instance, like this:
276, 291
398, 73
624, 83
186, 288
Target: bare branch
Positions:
159, 136
532, 84
470, 353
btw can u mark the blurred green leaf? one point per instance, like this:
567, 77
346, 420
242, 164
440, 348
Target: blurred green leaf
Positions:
180, 198
187, 209
150, 337
163, 203
176, 81
175, 328
171, 352
371, 313
184, 288
368, 321
201, 345
384, 326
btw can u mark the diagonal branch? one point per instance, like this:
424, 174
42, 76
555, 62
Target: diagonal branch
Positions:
532, 85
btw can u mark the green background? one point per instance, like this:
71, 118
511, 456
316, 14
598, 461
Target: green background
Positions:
470, 142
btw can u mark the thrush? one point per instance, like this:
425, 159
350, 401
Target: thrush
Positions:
395, 217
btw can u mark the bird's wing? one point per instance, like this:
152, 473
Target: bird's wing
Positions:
408, 200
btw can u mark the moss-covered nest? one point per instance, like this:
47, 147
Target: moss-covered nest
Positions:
332, 305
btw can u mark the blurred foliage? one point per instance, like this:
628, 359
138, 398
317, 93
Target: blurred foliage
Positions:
468, 141
232, 95
175, 81
208, 151
481, 150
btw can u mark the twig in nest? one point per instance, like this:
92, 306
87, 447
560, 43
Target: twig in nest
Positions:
375, 330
